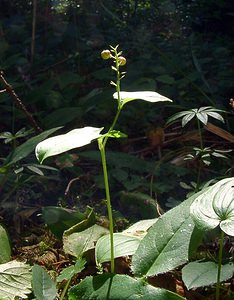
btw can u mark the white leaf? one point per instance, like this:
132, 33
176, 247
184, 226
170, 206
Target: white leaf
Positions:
15, 280
144, 95
215, 207
61, 143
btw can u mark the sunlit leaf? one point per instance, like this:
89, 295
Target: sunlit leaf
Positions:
64, 142
177, 116
215, 115
77, 243
26, 148
203, 117
166, 245
123, 245
217, 154
215, 207
198, 274
201, 114
15, 280
187, 118
144, 95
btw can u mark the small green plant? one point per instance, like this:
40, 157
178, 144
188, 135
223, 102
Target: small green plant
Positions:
18, 163
83, 136
203, 154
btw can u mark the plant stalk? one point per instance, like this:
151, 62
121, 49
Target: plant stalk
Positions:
102, 143
65, 290
108, 203
217, 294
200, 134
200, 164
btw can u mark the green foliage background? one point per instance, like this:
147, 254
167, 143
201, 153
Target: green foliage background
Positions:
182, 49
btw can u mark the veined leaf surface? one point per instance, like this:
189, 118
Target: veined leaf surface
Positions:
61, 143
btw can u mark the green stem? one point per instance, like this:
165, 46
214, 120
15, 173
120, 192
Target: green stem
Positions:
219, 265
200, 134
198, 176
112, 126
102, 143
200, 164
108, 203
65, 290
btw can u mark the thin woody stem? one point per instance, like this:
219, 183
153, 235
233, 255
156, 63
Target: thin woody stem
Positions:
19, 103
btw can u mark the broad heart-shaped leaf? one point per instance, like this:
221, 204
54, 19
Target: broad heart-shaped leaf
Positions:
215, 207
167, 243
44, 287
26, 148
123, 245
61, 143
118, 287
5, 252
15, 280
144, 95
198, 274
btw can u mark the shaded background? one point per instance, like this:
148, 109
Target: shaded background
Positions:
50, 54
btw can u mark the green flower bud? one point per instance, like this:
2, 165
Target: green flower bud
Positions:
105, 54
122, 60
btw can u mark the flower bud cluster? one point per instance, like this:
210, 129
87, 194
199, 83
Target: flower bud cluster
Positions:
107, 54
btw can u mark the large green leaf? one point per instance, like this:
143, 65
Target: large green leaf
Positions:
61, 143
79, 242
5, 253
44, 287
144, 95
215, 207
167, 243
26, 148
118, 287
15, 280
123, 245
198, 274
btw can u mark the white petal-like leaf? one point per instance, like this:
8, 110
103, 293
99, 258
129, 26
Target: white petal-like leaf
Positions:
177, 116
215, 115
216, 207
187, 118
203, 117
144, 95
61, 143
